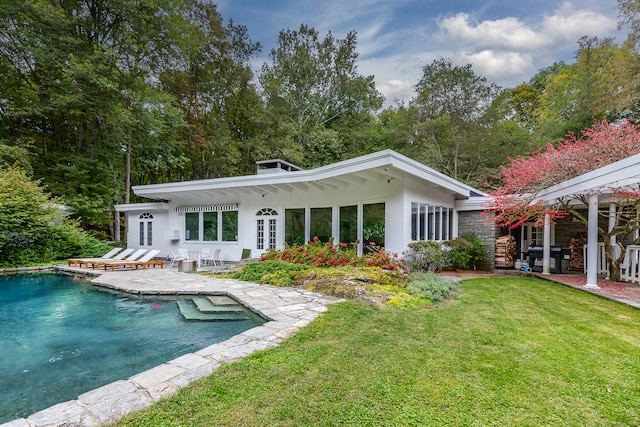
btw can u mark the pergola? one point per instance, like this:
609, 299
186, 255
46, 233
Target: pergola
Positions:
597, 186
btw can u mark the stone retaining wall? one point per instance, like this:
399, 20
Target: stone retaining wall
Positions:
21, 270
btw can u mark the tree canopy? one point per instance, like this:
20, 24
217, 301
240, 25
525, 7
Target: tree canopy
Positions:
100, 95
311, 86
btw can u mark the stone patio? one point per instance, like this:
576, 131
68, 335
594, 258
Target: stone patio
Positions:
285, 309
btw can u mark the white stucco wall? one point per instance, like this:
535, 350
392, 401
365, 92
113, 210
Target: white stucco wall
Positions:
398, 194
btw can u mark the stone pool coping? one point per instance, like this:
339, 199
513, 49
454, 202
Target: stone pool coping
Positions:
285, 309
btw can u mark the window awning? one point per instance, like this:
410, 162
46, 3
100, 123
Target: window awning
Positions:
209, 208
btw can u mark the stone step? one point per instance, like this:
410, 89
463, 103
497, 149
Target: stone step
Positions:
222, 300
205, 305
190, 311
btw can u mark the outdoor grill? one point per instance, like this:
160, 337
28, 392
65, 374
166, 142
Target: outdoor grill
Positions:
536, 258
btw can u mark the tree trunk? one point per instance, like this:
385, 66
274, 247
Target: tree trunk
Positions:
127, 180
116, 226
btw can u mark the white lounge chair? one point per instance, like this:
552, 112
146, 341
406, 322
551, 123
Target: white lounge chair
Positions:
133, 257
109, 255
143, 262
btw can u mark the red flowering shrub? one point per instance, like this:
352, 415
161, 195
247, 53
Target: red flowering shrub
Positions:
318, 254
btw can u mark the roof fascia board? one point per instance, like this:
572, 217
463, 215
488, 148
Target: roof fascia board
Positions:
619, 173
127, 207
380, 159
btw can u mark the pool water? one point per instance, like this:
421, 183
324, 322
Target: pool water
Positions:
59, 338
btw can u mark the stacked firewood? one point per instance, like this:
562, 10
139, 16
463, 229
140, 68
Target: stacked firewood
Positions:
576, 245
505, 251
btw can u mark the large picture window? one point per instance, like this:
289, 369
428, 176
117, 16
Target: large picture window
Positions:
348, 224
230, 226
294, 221
210, 226
373, 229
320, 227
192, 226
430, 222
219, 226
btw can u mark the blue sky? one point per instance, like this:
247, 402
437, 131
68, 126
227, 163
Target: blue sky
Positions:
506, 41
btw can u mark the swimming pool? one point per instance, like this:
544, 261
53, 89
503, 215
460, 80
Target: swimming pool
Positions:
60, 338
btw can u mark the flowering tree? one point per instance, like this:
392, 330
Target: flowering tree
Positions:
515, 200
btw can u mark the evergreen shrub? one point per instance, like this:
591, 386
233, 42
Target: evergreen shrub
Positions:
426, 256
33, 229
466, 251
433, 287
274, 272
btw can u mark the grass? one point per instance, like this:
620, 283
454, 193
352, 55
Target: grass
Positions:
507, 352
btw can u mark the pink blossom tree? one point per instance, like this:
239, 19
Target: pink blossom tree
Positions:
515, 199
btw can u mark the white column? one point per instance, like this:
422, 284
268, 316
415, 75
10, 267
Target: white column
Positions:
454, 218
612, 223
546, 245
592, 242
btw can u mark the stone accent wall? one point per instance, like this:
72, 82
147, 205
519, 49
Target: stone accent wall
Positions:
475, 223
566, 229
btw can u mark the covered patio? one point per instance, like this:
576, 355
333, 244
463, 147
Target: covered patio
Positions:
597, 187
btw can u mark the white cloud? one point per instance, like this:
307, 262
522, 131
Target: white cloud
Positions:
459, 31
500, 67
567, 24
509, 50
395, 90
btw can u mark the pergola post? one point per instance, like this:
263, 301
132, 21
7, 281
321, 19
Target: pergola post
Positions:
592, 244
546, 245
612, 223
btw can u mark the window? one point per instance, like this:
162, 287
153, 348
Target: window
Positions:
146, 232
267, 212
266, 219
230, 226
210, 226
149, 233
294, 220
373, 216
218, 226
320, 226
192, 226
348, 224
430, 222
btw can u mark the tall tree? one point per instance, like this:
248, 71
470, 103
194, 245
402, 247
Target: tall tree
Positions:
452, 117
83, 86
313, 85
214, 87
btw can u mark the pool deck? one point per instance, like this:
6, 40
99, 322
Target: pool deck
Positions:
286, 310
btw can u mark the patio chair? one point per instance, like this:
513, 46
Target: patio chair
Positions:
217, 257
184, 253
143, 262
109, 255
134, 256
173, 257
205, 256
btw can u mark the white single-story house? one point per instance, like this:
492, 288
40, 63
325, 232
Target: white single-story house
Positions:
383, 198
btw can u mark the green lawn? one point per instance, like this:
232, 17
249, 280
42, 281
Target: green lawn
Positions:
508, 352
